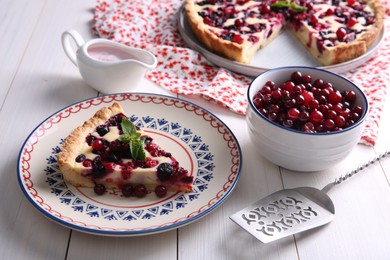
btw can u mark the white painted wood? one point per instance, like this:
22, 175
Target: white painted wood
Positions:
18, 20
151, 247
25, 234
37, 79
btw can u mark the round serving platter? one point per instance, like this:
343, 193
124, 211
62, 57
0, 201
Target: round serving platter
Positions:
285, 50
200, 141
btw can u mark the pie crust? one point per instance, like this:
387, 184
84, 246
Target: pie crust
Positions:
74, 143
244, 52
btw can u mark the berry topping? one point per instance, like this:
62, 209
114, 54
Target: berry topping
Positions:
164, 171
102, 130
99, 189
341, 33
127, 190
107, 156
160, 191
351, 22
140, 191
238, 39
80, 158
97, 144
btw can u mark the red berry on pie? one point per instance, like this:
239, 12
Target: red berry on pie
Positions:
351, 21
238, 39
341, 33
313, 20
265, 9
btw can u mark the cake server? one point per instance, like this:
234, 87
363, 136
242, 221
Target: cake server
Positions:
290, 211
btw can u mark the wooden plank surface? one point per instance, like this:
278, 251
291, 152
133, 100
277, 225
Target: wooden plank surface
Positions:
37, 79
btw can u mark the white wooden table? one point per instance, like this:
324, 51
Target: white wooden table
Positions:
37, 79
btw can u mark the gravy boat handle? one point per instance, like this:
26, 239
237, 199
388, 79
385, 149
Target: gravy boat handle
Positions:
66, 40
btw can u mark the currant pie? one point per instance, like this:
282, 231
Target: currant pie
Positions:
333, 31
108, 151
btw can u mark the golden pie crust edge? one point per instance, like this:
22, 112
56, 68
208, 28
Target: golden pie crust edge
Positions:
213, 43
237, 52
75, 141
356, 48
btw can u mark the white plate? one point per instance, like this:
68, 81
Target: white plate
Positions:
285, 50
201, 142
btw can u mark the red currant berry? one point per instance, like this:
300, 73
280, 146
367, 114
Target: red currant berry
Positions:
308, 97
350, 96
329, 12
237, 39
313, 20
351, 21
99, 189
331, 114
127, 190
296, 77
308, 127
306, 79
266, 90
98, 144
276, 95
293, 114
318, 83
316, 117
289, 85
314, 104
270, 83
329, 124
335, 98
87, 163
303, 116
161, 191
341, 33
140, 191
340, 121
265, 9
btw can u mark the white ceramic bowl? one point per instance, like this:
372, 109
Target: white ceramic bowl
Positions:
294, 149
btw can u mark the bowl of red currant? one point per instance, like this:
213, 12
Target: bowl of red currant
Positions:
305, 119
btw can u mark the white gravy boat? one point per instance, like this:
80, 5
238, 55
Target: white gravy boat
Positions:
108, 66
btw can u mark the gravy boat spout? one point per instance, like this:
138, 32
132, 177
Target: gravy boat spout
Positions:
108, 66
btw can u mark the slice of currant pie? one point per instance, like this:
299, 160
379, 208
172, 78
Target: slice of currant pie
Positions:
108, 151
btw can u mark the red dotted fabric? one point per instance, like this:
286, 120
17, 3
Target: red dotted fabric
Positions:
152, 25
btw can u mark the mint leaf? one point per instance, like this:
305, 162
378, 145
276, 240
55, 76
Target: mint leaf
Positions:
131, 135
297, 8
128, 127
288, 4
137, 149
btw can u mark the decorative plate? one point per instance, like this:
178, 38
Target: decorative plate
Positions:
285, 50
199, 140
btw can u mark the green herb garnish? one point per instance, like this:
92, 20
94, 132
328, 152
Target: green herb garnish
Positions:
296, 7
131, 135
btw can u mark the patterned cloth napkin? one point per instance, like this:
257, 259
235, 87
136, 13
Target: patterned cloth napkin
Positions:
152, 25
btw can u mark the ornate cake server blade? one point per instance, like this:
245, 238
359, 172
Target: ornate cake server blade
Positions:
290, 211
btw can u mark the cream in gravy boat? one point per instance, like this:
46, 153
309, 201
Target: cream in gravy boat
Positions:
108, 66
